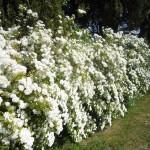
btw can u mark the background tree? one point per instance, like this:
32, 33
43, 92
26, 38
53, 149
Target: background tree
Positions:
111, 12
48, 10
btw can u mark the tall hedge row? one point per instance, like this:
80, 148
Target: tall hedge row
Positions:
68, 84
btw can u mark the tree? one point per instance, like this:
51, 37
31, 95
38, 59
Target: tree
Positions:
47, 10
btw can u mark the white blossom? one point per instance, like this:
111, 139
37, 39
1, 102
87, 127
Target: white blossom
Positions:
24, 41
81, 11
1, 100
4, 83
26, 138
50, 138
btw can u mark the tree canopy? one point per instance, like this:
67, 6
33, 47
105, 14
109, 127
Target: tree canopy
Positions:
111, 12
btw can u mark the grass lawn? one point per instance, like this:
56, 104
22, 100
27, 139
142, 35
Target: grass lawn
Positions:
129, 133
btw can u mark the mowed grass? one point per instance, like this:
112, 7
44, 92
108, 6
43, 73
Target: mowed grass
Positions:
129, 133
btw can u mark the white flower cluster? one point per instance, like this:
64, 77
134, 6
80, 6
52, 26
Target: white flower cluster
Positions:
49, 86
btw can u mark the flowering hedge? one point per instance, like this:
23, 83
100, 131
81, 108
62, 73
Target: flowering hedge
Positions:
72, 83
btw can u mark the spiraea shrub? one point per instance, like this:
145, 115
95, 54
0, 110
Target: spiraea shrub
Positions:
70, 82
